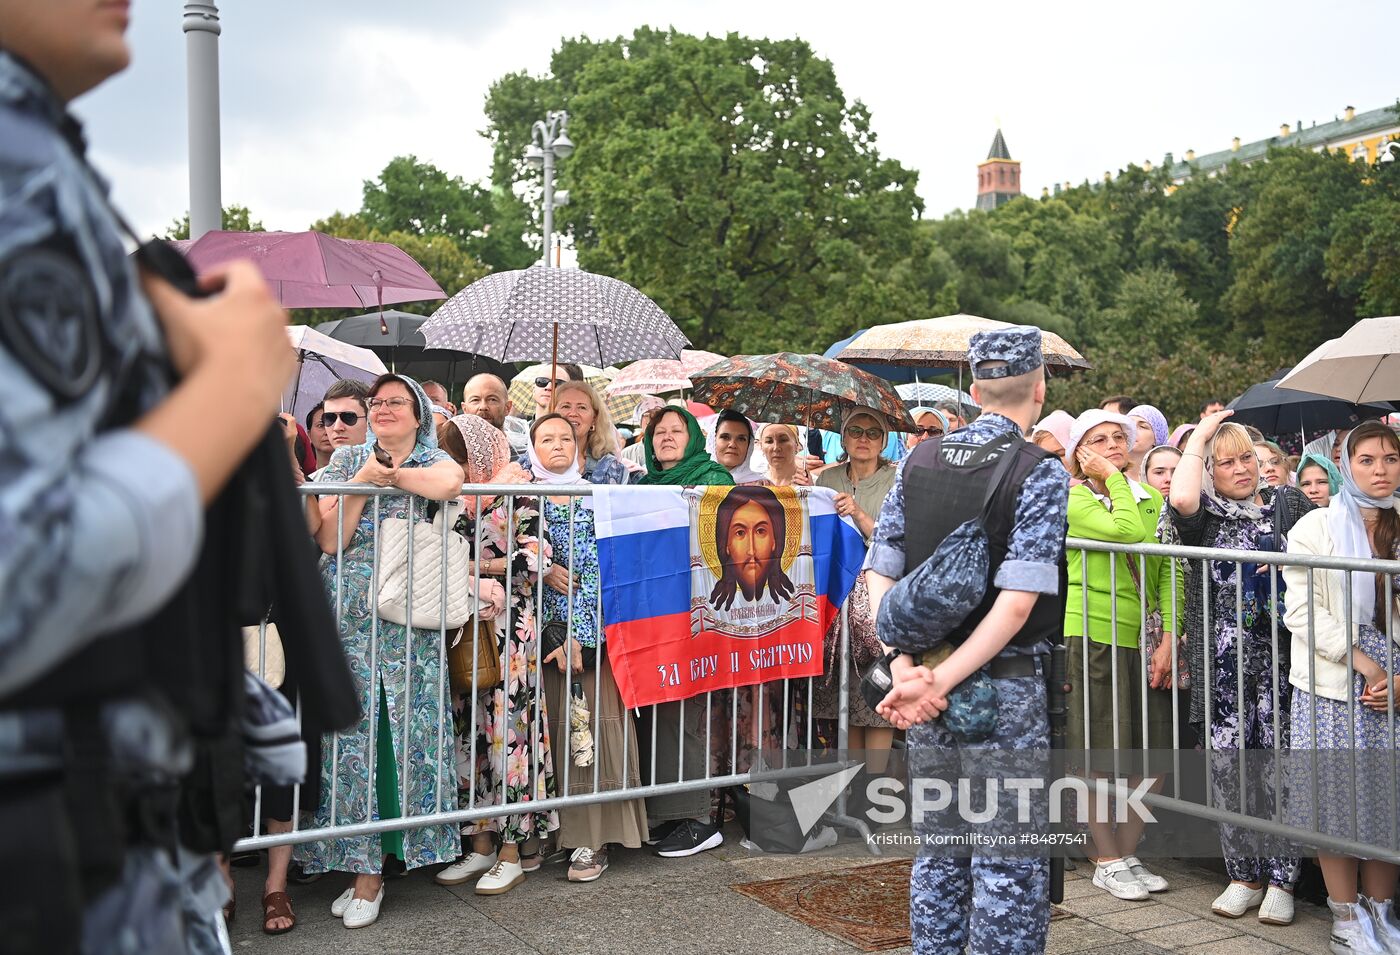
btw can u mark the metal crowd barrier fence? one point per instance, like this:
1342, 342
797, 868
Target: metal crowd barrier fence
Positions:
1276, 791
784, 709
782, 706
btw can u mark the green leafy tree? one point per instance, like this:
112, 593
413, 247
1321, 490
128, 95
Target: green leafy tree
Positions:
1148, 348
1280, 290
233, 219
730, 180
417, 198
1362, 263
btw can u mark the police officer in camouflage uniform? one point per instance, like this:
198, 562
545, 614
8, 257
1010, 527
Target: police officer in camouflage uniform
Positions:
990, 902
106, 466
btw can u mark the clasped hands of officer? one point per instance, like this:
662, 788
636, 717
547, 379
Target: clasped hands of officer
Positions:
919, 693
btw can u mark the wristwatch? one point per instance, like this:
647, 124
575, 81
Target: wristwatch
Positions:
879, 680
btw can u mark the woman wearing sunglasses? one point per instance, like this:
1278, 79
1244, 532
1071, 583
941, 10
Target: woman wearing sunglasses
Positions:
861, 483
929, 423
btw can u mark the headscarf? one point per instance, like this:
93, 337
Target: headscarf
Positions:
487, 452
1147, 459
694, 467
1155, 420
427, 428
919, 412
1349, 533
544, 475
648, 403
796, 436
857, 411
744, 473
1179, 434
1057, 424
1334, 477
1215, 502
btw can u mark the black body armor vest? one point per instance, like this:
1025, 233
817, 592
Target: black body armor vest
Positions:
945, 483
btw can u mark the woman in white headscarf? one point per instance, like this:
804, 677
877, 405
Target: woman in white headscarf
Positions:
1344, 686
573, 614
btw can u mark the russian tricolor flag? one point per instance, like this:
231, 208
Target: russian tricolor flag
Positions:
665, 555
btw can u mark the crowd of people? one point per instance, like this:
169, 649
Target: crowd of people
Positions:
1211, 483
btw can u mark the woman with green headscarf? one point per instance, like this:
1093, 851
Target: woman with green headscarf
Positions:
1318, 478
676, 456
675, 452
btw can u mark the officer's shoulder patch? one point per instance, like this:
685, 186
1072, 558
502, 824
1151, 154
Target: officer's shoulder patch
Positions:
49, 320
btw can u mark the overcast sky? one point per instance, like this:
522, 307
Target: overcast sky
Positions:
317, 95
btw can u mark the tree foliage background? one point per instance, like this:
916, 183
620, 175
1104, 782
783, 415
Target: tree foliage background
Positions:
732, 180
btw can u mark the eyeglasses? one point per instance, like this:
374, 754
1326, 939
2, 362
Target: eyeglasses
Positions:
393, 404
546, 382
874, 434
929, 432
1118, 439
351, 418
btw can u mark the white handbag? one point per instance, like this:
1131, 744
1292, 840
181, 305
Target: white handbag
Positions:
429, 571
263, 655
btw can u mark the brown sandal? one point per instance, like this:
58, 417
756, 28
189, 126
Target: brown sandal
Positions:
278, 905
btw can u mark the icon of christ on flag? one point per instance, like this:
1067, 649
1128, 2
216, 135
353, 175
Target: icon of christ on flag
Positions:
706, 588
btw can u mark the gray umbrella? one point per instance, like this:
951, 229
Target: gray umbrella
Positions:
543, 313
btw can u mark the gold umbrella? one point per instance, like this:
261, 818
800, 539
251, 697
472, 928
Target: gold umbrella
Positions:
943, 342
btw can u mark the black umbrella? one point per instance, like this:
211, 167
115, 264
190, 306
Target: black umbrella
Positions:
1277, 411
395, 337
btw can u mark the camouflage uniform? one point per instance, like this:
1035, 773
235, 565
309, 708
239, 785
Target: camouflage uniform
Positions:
994, 903
99, 524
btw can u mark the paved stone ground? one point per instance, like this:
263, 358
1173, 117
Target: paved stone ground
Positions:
645, 904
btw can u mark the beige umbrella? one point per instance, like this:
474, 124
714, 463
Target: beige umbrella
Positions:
943, 342
1363, 365
522, 395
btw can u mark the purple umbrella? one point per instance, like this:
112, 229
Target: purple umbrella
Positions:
315, 270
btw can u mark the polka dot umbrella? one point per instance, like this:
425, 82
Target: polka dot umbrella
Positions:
555, 315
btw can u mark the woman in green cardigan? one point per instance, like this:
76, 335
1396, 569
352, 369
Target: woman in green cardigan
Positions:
1110, 678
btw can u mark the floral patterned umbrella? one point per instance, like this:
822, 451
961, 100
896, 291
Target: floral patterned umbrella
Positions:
944, 342
797, 389
658, 376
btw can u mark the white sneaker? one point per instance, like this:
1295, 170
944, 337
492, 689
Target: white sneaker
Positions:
361, 912
1150, 881
342, 901
1118, 880
1236, 900
502, 877
468, 867
1383, 923
1353, 932
1277, 908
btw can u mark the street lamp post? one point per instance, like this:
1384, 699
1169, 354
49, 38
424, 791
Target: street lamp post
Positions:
549, 139
201, 25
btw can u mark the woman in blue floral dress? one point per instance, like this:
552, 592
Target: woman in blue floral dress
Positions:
581, 661
397, 670
1217, 500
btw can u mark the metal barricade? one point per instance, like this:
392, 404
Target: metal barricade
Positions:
712, 762
711, 744
1262, 786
